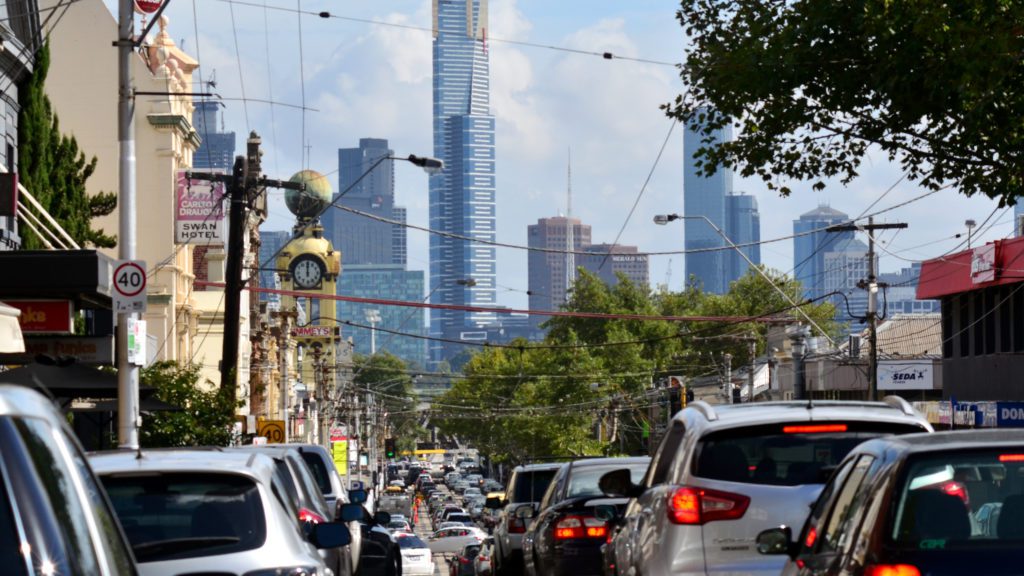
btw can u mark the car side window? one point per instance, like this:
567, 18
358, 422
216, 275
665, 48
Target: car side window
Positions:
11, 557
809, 536
846, 511
661, 464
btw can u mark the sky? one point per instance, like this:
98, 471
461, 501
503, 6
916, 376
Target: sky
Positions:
366, 72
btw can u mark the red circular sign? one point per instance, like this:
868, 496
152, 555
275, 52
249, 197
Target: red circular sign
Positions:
148, 6
129, 279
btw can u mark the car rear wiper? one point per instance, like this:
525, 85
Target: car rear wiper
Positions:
150, 550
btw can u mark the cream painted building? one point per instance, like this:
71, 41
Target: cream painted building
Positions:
183, 325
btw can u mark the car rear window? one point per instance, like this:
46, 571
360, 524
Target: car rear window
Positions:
319, 470
187, 515
411, 541
459, 518
960, 499
530, 485
583, 479
785, 454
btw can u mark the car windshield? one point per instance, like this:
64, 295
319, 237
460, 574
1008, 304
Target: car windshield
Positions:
965, 499
187, 515
785, 454
530, 485
583, 479
410, 541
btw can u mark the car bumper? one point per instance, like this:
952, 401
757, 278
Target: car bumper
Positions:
578, 558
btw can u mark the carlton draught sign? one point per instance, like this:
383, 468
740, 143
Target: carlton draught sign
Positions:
199, 212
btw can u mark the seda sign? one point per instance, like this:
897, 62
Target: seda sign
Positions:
147, 6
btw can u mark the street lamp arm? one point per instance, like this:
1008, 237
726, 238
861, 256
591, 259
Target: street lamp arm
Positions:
662, 219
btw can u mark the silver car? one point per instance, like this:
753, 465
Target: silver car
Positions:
51, 504
724, 473
206, 510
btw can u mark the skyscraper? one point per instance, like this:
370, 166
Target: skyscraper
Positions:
623, 260
547, 277
844, 265
390, 282
462, 197
1018, 219
811, 243
705, 196
742, 226
270, 242
217, 149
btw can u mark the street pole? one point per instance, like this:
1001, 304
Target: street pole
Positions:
798, 338
127, 373
750, 372
872, 288
728, 378
233, 276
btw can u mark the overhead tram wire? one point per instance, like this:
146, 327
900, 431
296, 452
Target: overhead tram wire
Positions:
241, 77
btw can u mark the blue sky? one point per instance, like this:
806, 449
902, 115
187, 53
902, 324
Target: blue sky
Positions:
374, 80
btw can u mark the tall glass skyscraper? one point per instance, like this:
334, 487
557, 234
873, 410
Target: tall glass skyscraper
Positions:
216, 149
462, 197
705, 196
811, 243
742, 226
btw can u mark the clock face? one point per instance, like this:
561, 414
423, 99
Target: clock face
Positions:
307, 273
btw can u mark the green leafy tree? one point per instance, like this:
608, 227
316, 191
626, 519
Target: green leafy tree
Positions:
813, 87
387, 377
205, 418
53, 169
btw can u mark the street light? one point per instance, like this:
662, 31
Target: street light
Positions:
970, 223
372, 316
662, 219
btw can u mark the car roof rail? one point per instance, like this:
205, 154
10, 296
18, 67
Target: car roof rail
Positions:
900, 403
704, 408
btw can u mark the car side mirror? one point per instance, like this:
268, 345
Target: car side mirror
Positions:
351, 512
382, 518
357, 496
618, 484
776, 541
606, 512
330, 535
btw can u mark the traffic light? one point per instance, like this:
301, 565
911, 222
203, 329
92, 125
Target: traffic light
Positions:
389, 448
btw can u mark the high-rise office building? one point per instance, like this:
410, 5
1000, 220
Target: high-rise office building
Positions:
366, 182
705, 196
1018, 219
270, 242
217, 147
403, 325
462, 197
899, 293
551, 274
743, 227
845, 264
810, 244
624, 260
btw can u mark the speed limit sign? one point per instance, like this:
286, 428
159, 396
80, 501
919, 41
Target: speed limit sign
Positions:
129, 286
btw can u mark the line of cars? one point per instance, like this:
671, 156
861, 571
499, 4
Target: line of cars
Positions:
253, 512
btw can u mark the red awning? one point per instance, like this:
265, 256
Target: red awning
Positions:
994, 264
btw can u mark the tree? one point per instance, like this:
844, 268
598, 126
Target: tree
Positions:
387, 377
53, 169
814, 86
205, 418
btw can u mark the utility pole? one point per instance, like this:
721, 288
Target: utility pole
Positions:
244, 185
730, 397
752, 343
872, 287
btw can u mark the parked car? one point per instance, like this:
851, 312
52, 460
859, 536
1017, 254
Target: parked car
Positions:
722, 474
417, 559
51, 503
566, 534
910, 505
452, 540
526, 486
310, 504
379, 554
462, 563
482, 561
192, 511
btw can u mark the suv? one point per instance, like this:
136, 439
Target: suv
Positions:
50, 502
210, 511
722, 474
526, 487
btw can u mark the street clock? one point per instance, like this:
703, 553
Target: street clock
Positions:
307, 271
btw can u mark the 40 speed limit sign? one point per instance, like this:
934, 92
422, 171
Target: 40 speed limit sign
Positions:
129, 286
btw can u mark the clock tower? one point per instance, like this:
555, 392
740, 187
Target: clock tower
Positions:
309, 266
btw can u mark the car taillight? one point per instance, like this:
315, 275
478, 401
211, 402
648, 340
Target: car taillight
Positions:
463, 560
688, 505
580, 527
307, 515
1011, 457
516, 526
954, 488
891, 570
812, 537
814, 428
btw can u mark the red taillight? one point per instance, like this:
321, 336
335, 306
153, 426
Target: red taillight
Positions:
516, 526
954, 488
814, 428
688, 505
580, 527
1011, 457
812, 536
891, 570
463, 560
307, 515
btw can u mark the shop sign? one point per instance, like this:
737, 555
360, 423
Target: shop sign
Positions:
44, 316
983, 264
198, 211
906, 375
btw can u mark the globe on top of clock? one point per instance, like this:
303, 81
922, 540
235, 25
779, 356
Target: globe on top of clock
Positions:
308, 203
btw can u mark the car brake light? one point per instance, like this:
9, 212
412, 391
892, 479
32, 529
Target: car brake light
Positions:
891, 570
688, 505
814, 428
954, 488
307, 515
580, 527
516, 526
1011, 457
812, 536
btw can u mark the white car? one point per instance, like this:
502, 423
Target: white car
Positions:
453, 540
417, 557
